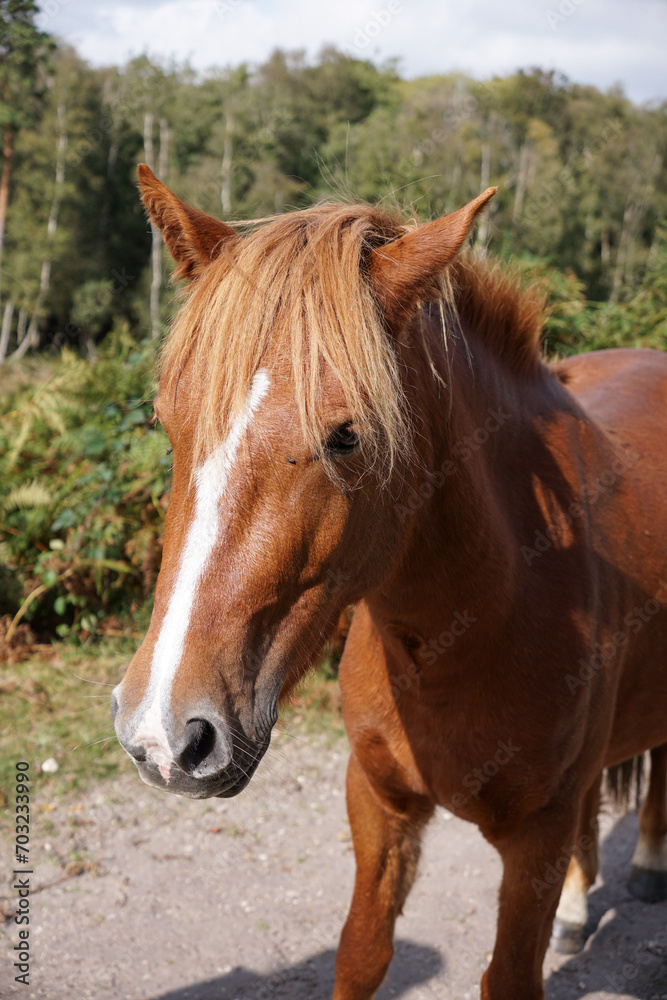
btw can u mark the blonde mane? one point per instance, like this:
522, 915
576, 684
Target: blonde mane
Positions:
297, 287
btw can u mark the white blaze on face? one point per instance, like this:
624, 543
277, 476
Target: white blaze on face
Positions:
210, 484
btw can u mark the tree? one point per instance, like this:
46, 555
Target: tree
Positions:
24, 62
149, 87
580, 173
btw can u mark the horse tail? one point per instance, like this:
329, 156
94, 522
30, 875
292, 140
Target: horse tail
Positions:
624, 781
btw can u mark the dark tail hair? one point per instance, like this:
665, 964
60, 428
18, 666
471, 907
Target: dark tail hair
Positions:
624, 781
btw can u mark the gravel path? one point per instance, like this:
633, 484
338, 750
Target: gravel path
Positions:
244, 899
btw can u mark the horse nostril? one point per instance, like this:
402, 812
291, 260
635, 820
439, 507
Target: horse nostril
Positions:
201, 742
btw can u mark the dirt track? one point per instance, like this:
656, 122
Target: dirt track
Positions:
244, 899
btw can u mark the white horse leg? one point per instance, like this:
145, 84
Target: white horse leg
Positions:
570, 925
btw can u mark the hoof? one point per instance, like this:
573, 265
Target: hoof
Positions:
649, 886
568, 939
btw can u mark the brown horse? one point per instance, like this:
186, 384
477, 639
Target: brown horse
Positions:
358, 415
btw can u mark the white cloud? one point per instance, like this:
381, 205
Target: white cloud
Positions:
592, 41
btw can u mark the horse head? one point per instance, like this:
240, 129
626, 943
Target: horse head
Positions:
282, 392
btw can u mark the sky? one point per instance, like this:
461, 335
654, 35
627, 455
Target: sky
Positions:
603, 42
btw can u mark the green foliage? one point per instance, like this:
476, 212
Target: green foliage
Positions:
575, 324
570, 316
83, 478
642, 320
92, 304
24, 52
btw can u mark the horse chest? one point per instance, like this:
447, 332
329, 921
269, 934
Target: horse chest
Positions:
441, 741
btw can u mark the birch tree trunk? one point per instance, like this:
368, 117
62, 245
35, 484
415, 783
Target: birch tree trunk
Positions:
149, 157
631, 216
605, 246
21, 326
31, 338
8, 156
148, 140
6, 329
522, 182
112, 159
156, 245
484, 176
226, 166
164, 149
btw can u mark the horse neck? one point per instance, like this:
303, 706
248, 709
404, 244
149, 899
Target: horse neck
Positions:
479, 440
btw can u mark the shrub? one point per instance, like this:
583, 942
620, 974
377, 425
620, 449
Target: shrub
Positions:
84, 475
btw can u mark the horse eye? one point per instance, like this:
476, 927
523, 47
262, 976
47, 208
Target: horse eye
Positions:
342, 442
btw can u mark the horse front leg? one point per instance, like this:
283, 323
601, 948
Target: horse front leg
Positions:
571, 924
387, 847
535, 858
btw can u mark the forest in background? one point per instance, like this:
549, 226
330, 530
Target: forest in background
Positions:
84, 297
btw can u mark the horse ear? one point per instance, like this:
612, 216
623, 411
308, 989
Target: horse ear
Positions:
407, 269
193, 238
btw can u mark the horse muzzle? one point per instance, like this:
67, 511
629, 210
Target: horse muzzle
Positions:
200, 757
223, 785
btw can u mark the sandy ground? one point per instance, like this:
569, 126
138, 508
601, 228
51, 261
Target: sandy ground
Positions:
244, 899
